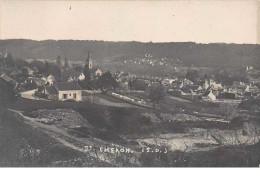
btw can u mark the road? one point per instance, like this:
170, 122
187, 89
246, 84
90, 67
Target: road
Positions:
31, 95
76, 143
96, 99
179, 99
102, 101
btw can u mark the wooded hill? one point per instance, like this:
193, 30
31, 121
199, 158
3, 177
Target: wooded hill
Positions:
190, 53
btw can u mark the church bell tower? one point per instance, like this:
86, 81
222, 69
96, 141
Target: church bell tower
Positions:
89, 62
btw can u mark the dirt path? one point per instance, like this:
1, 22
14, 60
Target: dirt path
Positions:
31, 95
73, 142
179, 99
102, 101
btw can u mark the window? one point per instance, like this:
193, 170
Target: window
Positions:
74, 95
65, 96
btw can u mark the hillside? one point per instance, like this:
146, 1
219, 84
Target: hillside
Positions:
189, 52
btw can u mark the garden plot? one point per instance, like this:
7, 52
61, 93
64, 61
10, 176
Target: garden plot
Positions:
60, 117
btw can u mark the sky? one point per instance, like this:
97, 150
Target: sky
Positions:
167, 21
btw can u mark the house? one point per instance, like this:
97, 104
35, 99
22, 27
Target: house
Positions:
49, 80
241, 89
69, 75
37, 81
191, 88
252, 88
175, 92
5, 78
94, 72
248, 68
98, 72
167, 81
68, 91
215, 85
81, 77
30, 71
62, 91
211, 83
209, 96
206, 84
176, 84
185, 92
187, 81
124, 84
71, 79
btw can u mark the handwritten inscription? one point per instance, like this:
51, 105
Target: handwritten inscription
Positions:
124, 150
154, 150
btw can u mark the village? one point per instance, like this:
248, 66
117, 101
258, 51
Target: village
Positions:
63, 81
191, 106
129, 84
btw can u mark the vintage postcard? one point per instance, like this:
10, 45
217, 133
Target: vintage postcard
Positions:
129, 83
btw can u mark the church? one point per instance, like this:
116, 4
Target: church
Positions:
89, 71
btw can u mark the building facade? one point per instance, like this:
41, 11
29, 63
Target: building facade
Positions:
62, 91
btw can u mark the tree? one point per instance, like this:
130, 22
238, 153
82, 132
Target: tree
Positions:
58, 61
7, 92
77, 67
86, 73
66, 65
138, 84
30, 85
106, 82
46, 67
25, 72
192, 75
39, 65
21, 63
7, 60
51, 68
156, 93
85, 84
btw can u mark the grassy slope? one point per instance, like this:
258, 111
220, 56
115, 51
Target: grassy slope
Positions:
126, 121
15, 135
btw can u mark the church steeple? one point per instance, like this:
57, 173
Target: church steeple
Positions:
88, 62
88, 58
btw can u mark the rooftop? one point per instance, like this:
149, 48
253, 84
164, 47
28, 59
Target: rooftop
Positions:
63, 86
6, 78
51, 90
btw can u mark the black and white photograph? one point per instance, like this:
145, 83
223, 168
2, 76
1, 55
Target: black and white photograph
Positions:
129, 84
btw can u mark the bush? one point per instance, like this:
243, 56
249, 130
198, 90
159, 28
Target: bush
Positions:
41, 95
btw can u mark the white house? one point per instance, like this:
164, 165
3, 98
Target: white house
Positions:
68, 91
98, 72
215, 85
30, 71
249, 68
49, 80
63, 91
187, 81
81, 77
209, 96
